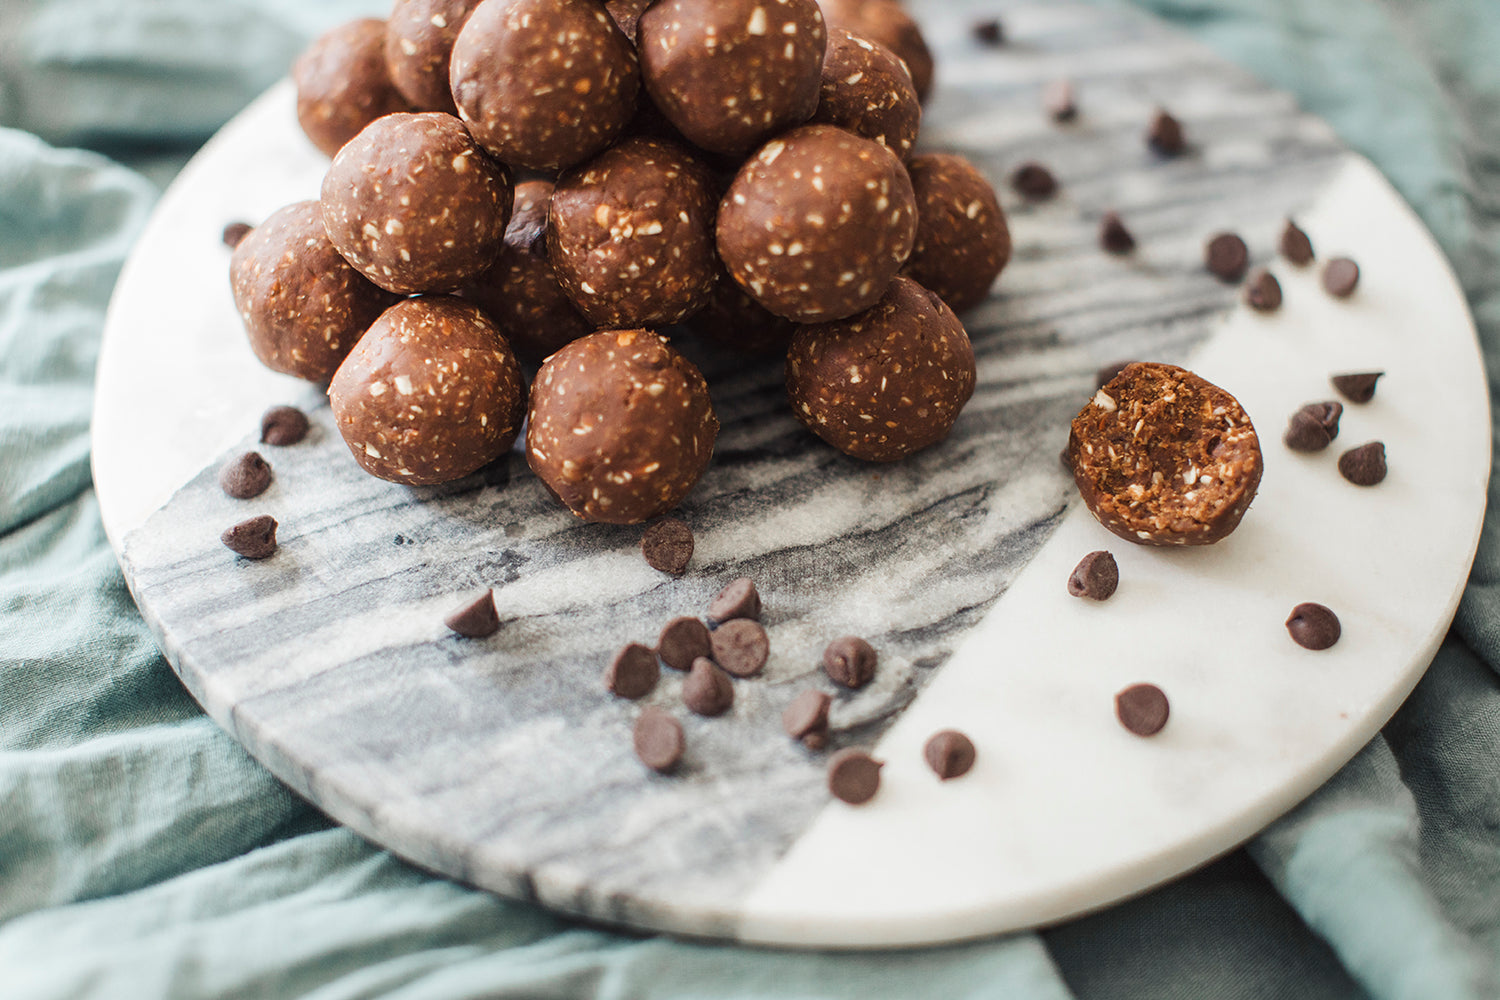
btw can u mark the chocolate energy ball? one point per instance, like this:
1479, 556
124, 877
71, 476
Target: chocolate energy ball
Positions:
304, 307
886, 22
520, 291
963, 242
868, 91
729, 74
544, 84
817, 223
1164, 457
621, 426
419, 37
342, 84
627, 14
430, 394
734, 320
415, 204
631, 234
887, 382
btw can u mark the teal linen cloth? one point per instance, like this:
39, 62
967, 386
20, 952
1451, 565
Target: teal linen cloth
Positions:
144, 855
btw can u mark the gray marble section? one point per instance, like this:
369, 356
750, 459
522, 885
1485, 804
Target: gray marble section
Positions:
503, 762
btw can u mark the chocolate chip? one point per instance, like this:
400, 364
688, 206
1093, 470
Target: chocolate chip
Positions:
990, 32
949, 753
806, 719
1113, 236
283, 425
854, 776
850, 661
1356, 387
476, 619
1103, 377
1313, 427
741, 647
1164, 134
1142, 709
658, 739
1227, 257
235, 232
1096, 576
1263, 291
1033, 181
1059, 101
253, 538
1340, 277
1295, 246
1312, 626
682, 641
1365, 465
245, 477
668, 545
633, 672
707, 690
738, 600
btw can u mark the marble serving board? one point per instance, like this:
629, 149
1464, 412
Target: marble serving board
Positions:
505, 764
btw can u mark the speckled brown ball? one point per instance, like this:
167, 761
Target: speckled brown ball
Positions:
621, 426
544, 84
520, 292
304, 307
886, 22
419, 37
631, 234
868, 91
816, 224
734, 320
729, 74
886, 383
342, 84
430, 394
963, 241
415, 204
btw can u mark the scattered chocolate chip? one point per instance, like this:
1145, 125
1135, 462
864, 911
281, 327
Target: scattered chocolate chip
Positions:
1356, 387
1227, 257
1312, 626
235, 232
1295, 246
1103, 377
282, 426
850, 661
682, 641
949, 753
668, 545
1142, 709
1263, 291
1113, 236
246, 476
1164, 134
633, 672
1059, 100
854, 776
253, 538
707, 690
1096, 576
990, 32
476, 619
806, 719
1033, 181
1365, 465
1340, 277
738, 600
1313, 427
658, 739
741, 647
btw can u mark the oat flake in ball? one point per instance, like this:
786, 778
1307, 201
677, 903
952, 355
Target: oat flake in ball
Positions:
419, 38
868, 91
343, 85
963, 241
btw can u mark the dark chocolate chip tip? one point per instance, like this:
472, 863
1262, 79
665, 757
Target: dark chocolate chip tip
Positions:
1356, 387
1226, 257
1365, 465
477, 619
1295, 245
806, 719
683, 640
235, 232
283, 425
1263, 291
850, 661
1313, 427
1142, 709
245, 476
667, 545
1340, 277
989, 32
741, 647
1095, 577
740, 599
1165, 135
1033, 181
658, 739
253, 538
632, 672
707, 691
854, 776
1313, 626
949, 753
1113, 236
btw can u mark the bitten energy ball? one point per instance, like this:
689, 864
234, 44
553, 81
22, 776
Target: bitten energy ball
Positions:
885, 21
415, 205
817, 223
1164, 457
419, 37
963, 242
868, 91
544, 84
304, 307
430, 394
729, 74
621, 426
342, 84
631, 234
886, 383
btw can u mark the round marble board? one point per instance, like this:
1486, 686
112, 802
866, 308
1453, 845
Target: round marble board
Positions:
504, 763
